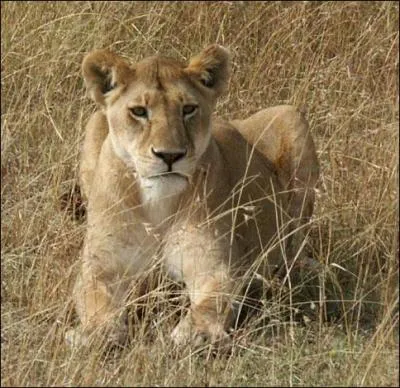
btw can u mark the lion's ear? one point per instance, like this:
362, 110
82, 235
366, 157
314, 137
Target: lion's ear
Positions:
211, 67
103, 71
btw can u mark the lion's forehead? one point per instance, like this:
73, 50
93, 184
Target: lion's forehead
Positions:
159, 68
148, 94
160, 78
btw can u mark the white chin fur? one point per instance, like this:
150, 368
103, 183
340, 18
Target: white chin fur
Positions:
154, 189
159, 196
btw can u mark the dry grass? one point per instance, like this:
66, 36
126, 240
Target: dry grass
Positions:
340, 59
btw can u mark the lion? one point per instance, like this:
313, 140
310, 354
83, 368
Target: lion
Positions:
216, 201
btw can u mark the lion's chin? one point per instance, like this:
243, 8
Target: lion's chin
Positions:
162, 186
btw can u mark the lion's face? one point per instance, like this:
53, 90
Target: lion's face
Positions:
160, 127
158, 112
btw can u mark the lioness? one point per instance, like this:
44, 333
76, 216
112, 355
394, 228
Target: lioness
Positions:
217, 200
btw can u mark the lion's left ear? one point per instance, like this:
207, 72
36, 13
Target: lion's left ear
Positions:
212, 68
103, 71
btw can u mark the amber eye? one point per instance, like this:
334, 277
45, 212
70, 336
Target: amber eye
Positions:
139, 111
189, 109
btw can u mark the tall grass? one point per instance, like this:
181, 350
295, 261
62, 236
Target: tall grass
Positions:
339, 59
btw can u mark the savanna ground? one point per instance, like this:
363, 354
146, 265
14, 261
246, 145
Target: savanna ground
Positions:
339, 59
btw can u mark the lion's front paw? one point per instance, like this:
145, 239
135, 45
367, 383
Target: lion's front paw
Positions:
75, 338
182, 333
102, 335
188, 333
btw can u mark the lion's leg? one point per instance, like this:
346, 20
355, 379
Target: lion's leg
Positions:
111, 273
210, 314
282, 134
201, 262
99, 301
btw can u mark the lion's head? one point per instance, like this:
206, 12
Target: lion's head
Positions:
158, 111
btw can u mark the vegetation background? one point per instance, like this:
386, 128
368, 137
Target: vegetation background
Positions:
339, 59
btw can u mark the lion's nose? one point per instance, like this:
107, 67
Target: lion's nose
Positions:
169, 156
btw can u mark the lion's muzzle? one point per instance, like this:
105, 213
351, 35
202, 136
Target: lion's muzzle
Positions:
169, 156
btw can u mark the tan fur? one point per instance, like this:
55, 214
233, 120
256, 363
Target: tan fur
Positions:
222, 216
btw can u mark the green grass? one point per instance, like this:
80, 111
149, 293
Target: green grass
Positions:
339, 59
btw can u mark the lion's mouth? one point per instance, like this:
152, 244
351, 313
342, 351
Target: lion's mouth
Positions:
168, 175
164, 184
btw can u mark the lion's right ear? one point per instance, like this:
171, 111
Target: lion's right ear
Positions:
103, 71
211, 68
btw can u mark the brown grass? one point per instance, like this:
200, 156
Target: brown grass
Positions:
340, 59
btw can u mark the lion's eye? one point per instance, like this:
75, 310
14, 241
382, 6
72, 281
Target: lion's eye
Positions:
139, 111
189, 109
